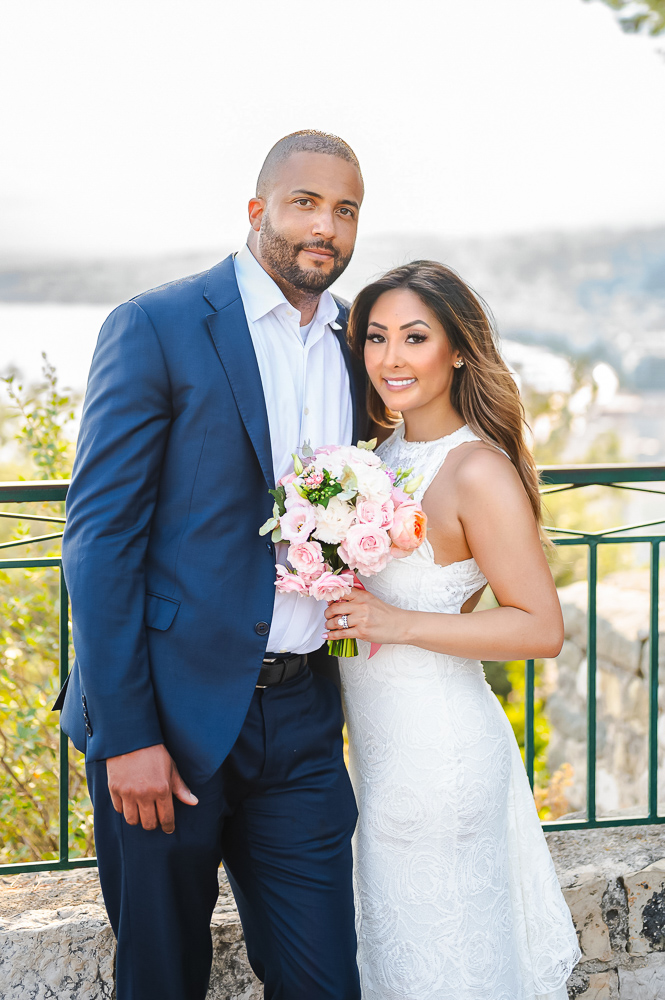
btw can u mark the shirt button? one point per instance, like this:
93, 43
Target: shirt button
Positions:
306, 411
289, 312
262, 628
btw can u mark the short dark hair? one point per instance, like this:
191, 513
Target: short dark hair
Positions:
306, 141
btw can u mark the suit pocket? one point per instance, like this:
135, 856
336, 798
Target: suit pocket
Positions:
160, 611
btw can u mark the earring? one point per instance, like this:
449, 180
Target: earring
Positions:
458, 363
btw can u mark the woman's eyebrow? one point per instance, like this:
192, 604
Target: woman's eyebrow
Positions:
416, 322
374, 323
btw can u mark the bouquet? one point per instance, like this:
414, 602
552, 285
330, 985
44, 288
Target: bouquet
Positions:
342, 511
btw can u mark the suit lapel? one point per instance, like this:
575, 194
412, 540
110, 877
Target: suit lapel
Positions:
231, 337
356, 378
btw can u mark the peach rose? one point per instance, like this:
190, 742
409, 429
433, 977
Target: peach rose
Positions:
306, 559
298, 523
290, 583
366, 548
331, 587
409, 526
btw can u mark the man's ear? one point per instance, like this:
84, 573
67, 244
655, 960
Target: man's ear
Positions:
256, 209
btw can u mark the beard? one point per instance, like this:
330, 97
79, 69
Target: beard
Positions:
281, 256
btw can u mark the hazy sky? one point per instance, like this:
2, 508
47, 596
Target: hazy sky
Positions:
136, 126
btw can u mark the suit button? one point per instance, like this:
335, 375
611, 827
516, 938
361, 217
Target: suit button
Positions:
262, 628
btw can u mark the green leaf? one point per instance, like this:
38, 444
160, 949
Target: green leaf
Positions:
367, 445
270, 525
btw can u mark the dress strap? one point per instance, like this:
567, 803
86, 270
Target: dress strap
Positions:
424, 457
430, 464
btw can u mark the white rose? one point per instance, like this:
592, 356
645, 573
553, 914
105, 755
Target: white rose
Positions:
333, 521
373, 483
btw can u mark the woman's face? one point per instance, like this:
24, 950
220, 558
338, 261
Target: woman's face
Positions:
407, 354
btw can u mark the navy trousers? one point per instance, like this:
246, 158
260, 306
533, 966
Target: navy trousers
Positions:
279, 814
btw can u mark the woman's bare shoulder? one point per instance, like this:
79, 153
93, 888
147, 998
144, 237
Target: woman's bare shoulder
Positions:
484, 469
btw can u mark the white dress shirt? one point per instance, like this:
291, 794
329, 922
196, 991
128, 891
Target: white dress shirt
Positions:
308, 399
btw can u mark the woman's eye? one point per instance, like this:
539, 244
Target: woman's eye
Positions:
416, 338
375, 338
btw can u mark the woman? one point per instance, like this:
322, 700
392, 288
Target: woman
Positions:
456, 893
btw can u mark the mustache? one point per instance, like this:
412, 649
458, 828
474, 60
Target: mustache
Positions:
319, 245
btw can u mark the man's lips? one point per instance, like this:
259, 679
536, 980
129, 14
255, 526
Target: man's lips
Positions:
319, 254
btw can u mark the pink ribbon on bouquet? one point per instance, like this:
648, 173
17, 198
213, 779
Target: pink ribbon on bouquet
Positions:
374, 647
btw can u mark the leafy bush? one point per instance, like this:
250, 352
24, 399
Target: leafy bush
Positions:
29, 647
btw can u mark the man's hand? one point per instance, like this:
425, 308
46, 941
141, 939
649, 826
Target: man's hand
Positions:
142, 785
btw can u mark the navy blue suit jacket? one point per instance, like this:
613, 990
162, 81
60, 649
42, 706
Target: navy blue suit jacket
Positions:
172, 588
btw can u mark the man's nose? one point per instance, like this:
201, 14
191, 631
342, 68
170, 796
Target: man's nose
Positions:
324, 224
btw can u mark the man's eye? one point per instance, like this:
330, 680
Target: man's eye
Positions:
346, 211
303, 201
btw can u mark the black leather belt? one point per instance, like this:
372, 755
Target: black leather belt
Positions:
280, 667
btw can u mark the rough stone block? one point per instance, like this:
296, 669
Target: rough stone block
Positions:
645, 983
66, 954
646, 902
585, 901
601, 986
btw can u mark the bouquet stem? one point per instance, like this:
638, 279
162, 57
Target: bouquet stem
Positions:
343, 647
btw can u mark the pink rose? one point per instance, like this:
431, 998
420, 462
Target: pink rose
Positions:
409, 526
372, 512
366, 548
290, 583
298, 523
331, 586
288, 478
399, 496
306, 559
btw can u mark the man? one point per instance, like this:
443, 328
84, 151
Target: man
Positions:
207, 737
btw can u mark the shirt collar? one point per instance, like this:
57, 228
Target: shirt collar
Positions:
261, 295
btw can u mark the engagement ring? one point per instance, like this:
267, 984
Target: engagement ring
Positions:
343, 622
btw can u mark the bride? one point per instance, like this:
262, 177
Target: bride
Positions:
456, 893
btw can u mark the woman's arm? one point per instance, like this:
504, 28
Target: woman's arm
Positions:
503, 537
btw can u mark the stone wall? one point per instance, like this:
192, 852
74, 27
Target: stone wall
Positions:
55, 941
621, 690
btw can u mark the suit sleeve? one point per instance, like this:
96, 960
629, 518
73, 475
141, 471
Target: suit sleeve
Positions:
124, 430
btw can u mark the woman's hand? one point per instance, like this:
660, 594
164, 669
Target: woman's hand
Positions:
369, 619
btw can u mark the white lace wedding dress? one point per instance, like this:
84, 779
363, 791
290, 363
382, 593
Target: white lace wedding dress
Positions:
456, 893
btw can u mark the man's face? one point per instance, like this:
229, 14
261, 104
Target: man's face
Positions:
309, 220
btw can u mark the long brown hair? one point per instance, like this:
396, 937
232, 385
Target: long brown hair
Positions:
483, 391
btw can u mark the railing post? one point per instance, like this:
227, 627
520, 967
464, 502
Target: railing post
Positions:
529, 741
591, 684
64, 742
653, 682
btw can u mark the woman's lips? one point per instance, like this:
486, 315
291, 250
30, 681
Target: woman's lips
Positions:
399, 384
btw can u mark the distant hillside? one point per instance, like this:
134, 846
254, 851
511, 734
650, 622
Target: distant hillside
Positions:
601, 292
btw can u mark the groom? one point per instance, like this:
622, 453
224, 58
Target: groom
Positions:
207, 736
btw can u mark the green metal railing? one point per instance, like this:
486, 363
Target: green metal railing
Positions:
555, 479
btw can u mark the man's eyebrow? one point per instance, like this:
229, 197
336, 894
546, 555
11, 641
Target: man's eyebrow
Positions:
313, 194
416, 322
